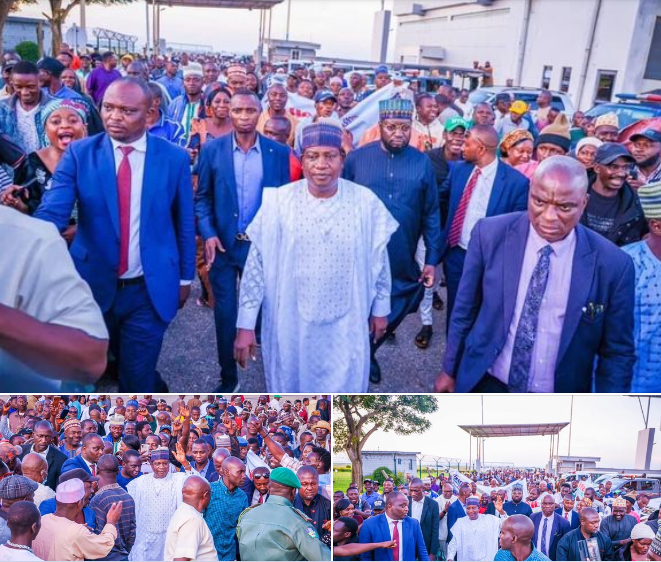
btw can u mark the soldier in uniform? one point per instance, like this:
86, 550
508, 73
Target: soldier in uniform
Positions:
276, 530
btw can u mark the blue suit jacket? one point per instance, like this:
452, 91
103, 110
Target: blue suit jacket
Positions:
216, 200
509, 193
574, 519
559, 528
601, 344
455, 511
75, 462
375, 529
86, 174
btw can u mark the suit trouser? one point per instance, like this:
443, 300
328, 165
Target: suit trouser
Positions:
136, 337
428, 299
442, 549
224, 276
453, 267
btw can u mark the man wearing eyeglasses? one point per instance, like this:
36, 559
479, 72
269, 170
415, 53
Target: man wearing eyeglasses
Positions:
613, 209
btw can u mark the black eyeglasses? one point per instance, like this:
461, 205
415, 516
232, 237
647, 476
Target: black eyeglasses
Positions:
260, 476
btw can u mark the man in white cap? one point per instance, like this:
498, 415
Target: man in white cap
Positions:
186, 107
607, 127
618, 525
157, 496
61, 538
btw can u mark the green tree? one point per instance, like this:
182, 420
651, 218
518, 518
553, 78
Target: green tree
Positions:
28, 50
363, 415
58, 12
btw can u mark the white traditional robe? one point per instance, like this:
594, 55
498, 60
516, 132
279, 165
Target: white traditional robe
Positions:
156, 500
474, 541
319, 268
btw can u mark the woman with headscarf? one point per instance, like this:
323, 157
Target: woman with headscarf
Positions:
642, 536
344, 508
63, 122
517, 147
585, 153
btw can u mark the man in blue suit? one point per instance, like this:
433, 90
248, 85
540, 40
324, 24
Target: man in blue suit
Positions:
550, 527
90, 454
480, 186
458, 509
544, 305
233, 171
135, 242
394, 525
567, 512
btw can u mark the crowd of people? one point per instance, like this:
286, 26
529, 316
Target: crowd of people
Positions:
498, 514
103, 477
155, 170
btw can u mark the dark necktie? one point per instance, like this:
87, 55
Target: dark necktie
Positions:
395, 537
462, 208
124, 197
526, 331
544, 551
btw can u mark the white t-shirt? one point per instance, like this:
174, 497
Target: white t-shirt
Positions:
27, 127
188, 536
17, 554
39, 279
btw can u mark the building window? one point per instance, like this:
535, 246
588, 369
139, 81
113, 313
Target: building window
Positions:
565, 79
605, 85
295, 54
410, 464
653, 68
399, 461
546, 77
579, 466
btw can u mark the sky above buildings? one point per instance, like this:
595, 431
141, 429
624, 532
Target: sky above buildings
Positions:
602, 426
342, 27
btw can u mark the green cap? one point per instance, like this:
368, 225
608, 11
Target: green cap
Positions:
454, 122
286, 477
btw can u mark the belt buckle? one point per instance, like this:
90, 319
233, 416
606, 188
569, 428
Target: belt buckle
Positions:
241, 237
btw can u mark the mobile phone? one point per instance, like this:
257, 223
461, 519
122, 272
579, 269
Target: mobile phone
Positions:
64, 413
633, 174
144, 448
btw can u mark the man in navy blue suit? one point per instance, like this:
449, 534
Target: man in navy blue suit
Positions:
233, 171
394, 525
135, 241
90, 454
544, 304
550, 527
567, 512
480, 186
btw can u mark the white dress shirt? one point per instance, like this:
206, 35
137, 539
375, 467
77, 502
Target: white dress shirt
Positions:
89, 465
137, 162
548, 534
391, 526
551, 313
416, 508
479, 201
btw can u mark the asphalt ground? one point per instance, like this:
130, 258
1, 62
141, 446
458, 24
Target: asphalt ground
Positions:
189, 364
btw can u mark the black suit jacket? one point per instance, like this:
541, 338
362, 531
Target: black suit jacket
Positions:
55, 459
428, 523
559, 528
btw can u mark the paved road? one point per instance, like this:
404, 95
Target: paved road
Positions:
188, 361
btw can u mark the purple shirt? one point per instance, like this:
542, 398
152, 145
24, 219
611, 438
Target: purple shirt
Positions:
551, 313
99, 80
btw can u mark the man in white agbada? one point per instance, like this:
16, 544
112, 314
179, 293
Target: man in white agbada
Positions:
475, 537
157, 496
318, 266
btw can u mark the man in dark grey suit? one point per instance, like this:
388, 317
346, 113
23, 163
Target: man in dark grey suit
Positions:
426, 511
42, 445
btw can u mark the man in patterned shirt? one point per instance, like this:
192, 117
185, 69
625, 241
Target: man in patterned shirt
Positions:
516, 540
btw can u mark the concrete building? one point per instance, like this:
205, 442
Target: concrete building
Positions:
397, 461
18, 29
280, 50
576, 464
590, 49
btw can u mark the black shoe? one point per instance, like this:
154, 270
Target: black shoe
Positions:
230, 387
437, 302
375, 372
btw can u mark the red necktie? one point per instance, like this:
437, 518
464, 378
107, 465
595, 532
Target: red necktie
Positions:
567, 518
93, 467
261, 499
124, 196
460, 213
395, 537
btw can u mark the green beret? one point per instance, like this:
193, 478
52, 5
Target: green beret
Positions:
286, 477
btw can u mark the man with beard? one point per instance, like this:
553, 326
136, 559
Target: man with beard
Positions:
475, 537
228, 501
403, 179
18, 417
646, 150
618, 525
157, 496
277, 102
73, 435
517, 506
186, 107
116, 427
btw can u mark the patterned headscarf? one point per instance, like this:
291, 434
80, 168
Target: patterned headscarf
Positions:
57, 104
513, 138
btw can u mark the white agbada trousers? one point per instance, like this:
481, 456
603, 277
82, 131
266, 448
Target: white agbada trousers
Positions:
319, 268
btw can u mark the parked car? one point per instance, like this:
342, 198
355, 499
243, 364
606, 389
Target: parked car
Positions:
634, 486
630, 108
560, 100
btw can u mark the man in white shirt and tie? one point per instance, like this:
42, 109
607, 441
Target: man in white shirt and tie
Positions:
550, 527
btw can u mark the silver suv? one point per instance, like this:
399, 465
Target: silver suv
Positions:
560, 100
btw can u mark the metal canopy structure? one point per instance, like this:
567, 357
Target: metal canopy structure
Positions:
482, 432
240, 4
514, 430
